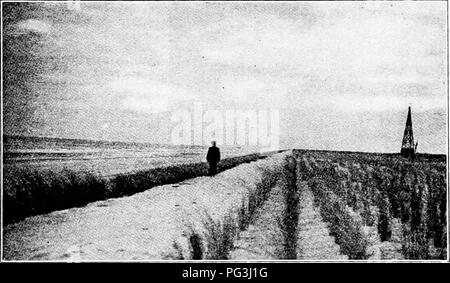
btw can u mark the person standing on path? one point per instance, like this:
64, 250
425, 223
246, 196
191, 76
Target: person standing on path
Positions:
213, 157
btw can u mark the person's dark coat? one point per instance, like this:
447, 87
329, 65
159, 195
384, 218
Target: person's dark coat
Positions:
213, 155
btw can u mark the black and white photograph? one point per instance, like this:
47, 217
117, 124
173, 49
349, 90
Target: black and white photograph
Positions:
216, 131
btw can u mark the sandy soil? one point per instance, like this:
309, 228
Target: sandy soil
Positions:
263, 239
314, 240
139, 227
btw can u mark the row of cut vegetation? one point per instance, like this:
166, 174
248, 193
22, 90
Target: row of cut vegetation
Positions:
289, 220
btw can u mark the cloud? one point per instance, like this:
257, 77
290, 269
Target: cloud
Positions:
148, 96
119, 60
254, 92
32, 26
338, 48
377, 104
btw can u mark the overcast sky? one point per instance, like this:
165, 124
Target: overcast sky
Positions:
341, 74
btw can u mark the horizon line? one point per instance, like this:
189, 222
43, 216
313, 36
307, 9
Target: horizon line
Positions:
195, 145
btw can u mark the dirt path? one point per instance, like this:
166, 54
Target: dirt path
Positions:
138, 227
263, 239
314, 240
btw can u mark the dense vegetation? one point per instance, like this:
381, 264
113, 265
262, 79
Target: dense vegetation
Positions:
382, 191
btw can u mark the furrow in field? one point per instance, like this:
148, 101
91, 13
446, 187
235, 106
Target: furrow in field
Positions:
314, 240
263, 239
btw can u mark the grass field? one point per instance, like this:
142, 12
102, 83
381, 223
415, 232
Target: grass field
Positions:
329, 205
405, 200
401, 203
376, 206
